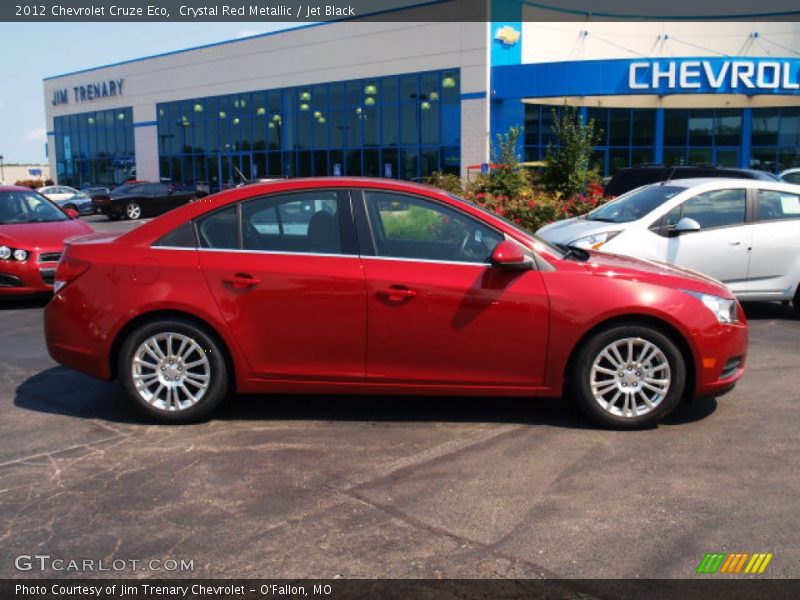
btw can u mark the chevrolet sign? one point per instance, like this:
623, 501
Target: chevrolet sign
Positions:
732, 75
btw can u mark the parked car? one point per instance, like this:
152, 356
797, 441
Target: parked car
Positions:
57, 192
319, 285
80, 203
791, 176
742, 232
136, 200
32, 234
630, 178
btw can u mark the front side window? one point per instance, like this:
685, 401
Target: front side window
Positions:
775, 206
719, 208
411, 227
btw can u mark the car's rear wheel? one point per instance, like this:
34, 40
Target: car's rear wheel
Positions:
796, 301
628, 376
133, 210
174, 370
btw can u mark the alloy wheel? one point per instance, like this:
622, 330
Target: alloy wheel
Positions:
630, 377
133, 211
170, 371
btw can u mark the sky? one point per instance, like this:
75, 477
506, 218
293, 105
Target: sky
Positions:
29, 52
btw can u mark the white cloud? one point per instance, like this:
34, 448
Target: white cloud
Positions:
37, 135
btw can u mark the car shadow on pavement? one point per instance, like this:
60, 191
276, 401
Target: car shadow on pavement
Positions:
24, 303
61, 391
770, 310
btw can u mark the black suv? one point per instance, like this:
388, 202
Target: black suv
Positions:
630, 178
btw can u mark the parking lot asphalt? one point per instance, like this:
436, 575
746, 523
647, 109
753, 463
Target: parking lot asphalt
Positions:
368, 487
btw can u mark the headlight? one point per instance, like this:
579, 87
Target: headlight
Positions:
5, 252
594, 241
20, 255
724, 309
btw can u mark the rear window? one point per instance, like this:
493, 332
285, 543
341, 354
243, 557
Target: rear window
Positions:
635, 205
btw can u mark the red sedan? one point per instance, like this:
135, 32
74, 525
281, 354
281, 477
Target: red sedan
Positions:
344, 285
32, 234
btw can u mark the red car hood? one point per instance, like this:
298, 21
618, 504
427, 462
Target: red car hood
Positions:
647, 271
41, 236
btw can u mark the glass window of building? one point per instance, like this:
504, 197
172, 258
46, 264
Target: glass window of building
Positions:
406, 125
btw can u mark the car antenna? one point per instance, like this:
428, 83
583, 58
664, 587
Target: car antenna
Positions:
668, 179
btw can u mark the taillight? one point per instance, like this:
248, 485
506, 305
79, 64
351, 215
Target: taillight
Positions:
68, 270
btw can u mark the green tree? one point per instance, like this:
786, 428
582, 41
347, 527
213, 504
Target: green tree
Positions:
567, 170
507, 177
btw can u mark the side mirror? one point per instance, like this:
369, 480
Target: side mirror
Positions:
686, 225
508, 255
72, 213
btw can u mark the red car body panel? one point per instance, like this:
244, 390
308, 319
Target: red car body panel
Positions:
38, 239
363, 324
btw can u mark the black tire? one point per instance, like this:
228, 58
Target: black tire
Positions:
796, 301
627, 385
171, 412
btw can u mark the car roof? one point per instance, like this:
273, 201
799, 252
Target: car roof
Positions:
717, 182
15, 188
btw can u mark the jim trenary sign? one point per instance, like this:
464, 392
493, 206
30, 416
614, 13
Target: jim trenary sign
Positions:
110, 88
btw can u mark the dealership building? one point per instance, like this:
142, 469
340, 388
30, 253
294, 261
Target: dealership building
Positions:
405, 99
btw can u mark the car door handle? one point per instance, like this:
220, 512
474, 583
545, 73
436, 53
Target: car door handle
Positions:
397, 293
736, 243
242, 281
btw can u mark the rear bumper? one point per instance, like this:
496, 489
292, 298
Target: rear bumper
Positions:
69, 340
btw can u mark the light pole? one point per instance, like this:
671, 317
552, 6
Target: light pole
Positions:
2, 171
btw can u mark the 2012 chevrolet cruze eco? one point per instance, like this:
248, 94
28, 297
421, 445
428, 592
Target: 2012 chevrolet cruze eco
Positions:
343, 285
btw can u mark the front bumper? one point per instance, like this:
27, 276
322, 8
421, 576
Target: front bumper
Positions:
32, 276
721, 356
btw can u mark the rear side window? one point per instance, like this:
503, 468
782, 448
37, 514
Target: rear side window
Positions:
305, 222
777, 206
180, 237
219, 230
720, 208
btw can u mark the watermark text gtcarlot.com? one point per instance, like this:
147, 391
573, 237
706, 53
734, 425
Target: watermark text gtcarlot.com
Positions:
46, 562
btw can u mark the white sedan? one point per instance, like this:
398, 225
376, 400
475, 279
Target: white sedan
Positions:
745, 233
57, 192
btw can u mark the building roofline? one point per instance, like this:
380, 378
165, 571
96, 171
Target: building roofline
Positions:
243, 39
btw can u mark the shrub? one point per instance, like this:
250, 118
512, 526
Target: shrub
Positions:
567, 171
30, 183
446, 181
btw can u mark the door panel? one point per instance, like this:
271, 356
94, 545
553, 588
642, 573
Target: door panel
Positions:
775, 258
439, 323
437, 312
721, 248
299, 316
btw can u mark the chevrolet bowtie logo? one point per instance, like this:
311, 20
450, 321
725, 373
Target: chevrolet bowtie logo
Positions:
508, 35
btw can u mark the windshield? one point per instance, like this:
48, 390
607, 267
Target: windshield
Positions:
537, 241
635, 205
28, 207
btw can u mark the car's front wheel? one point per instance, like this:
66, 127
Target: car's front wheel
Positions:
133, 210
174, 370
628, 376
